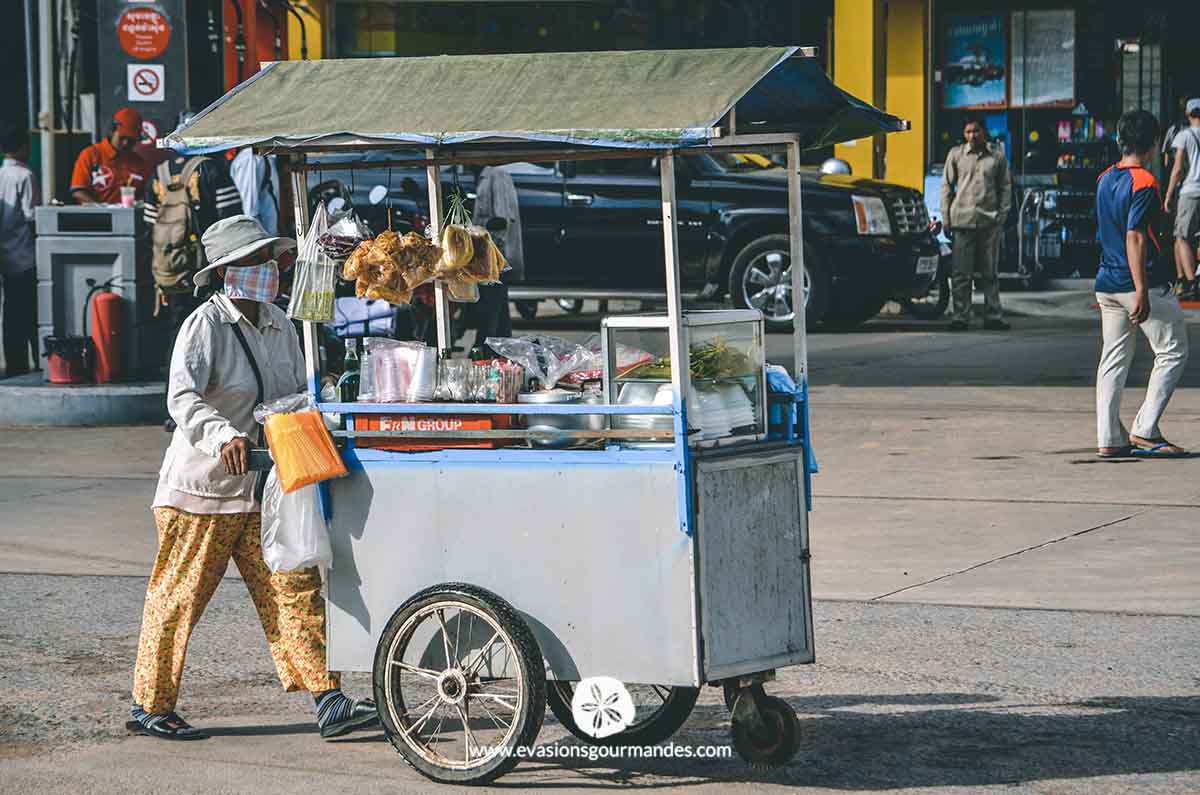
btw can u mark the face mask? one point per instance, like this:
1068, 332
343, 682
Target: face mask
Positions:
254, 283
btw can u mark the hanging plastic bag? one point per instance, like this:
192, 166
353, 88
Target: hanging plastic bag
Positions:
316, 274
294, 535
342, 237
300, 443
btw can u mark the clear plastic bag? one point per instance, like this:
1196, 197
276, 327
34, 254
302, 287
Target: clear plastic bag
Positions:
316, 275
343, 236
546, 358
294, 534
300, 443
628, 357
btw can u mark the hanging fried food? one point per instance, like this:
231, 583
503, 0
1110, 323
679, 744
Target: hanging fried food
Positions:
463, 289
418, 258
487, 263
389, 294
456, 248
351, 268
388, 242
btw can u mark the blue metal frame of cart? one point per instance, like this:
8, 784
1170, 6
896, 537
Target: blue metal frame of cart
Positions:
662, 564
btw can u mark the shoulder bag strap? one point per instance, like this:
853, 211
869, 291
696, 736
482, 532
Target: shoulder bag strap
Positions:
190, 166
259, 481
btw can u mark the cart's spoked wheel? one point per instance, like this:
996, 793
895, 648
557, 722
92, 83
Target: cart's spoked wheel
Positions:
774, 738
661, 710
460, 682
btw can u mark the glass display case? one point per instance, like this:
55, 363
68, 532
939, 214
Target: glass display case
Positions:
726, 393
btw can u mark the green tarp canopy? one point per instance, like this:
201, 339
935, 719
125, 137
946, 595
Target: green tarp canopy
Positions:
642, 99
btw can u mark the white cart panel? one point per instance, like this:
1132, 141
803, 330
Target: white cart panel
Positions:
592, 555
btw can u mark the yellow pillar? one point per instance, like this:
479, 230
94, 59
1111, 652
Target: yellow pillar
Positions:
314, 14
905, 91
858, 67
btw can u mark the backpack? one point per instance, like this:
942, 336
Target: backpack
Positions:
177, 251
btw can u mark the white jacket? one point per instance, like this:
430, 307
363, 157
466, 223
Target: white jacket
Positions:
211, 392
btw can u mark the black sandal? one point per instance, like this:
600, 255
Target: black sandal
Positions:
363, 715
167, 726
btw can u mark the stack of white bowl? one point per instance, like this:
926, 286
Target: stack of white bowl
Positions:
741, 410
640, 393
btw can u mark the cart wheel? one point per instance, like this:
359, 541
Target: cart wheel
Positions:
460, 682
661, 710
776, 741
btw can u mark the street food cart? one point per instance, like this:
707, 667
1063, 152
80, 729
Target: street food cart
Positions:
662, 541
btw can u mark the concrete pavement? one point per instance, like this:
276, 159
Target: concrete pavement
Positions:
958, 488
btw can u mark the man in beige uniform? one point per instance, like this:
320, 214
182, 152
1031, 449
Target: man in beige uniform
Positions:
976, 198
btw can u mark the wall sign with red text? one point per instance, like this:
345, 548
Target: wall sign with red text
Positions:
143, 32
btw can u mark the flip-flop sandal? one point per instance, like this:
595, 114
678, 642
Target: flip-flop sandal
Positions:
166, 727
1159, 450
1115, 452
364, 714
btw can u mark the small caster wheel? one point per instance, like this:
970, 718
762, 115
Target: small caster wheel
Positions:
776, 741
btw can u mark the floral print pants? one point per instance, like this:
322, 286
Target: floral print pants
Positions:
193, 553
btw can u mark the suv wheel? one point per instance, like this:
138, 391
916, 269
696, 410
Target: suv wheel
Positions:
761, 278
933, 303
527, 309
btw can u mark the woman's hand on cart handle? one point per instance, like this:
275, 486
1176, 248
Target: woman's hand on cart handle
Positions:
235, 455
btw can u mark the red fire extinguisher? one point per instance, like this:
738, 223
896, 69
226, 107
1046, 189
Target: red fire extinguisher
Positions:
106, 310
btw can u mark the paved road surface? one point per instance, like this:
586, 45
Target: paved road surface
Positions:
997, 610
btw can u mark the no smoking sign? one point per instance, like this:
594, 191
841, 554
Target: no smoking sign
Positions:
146, 82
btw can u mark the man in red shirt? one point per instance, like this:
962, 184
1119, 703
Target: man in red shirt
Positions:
103, 168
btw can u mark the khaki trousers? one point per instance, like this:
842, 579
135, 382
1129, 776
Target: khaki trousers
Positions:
193, 553
1166, 332
975, 253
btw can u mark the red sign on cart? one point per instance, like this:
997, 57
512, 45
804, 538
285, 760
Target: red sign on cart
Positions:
143, 32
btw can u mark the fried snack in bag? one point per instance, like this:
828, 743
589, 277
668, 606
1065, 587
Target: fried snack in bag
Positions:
302, 448
462, 289
388, 243
352, 267
388, 293
457, 248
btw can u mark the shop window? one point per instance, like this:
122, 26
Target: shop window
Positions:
1141, 76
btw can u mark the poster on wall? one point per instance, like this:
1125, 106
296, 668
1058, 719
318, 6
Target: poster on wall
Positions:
1043, 59
976, 71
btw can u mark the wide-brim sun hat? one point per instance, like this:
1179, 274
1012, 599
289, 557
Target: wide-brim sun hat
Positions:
230, 239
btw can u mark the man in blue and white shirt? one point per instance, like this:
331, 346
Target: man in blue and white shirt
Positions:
18, 259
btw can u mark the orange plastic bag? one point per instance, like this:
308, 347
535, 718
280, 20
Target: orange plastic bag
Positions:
302, 448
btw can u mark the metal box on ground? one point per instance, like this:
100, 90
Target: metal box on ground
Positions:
99, 242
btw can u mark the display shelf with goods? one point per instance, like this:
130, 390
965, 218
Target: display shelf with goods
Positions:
1057, 221
726, 360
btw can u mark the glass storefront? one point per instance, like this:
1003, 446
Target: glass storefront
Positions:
1049, 80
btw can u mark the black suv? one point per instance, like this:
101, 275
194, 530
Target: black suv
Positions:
599, 224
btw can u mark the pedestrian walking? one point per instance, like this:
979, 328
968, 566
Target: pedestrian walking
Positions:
233, 352
976, 199
257, 180
186, 197
1183, 198
103, 168
1134, 292
18, 257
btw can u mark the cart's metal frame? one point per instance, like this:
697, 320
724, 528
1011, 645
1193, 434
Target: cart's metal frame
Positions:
685, 462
